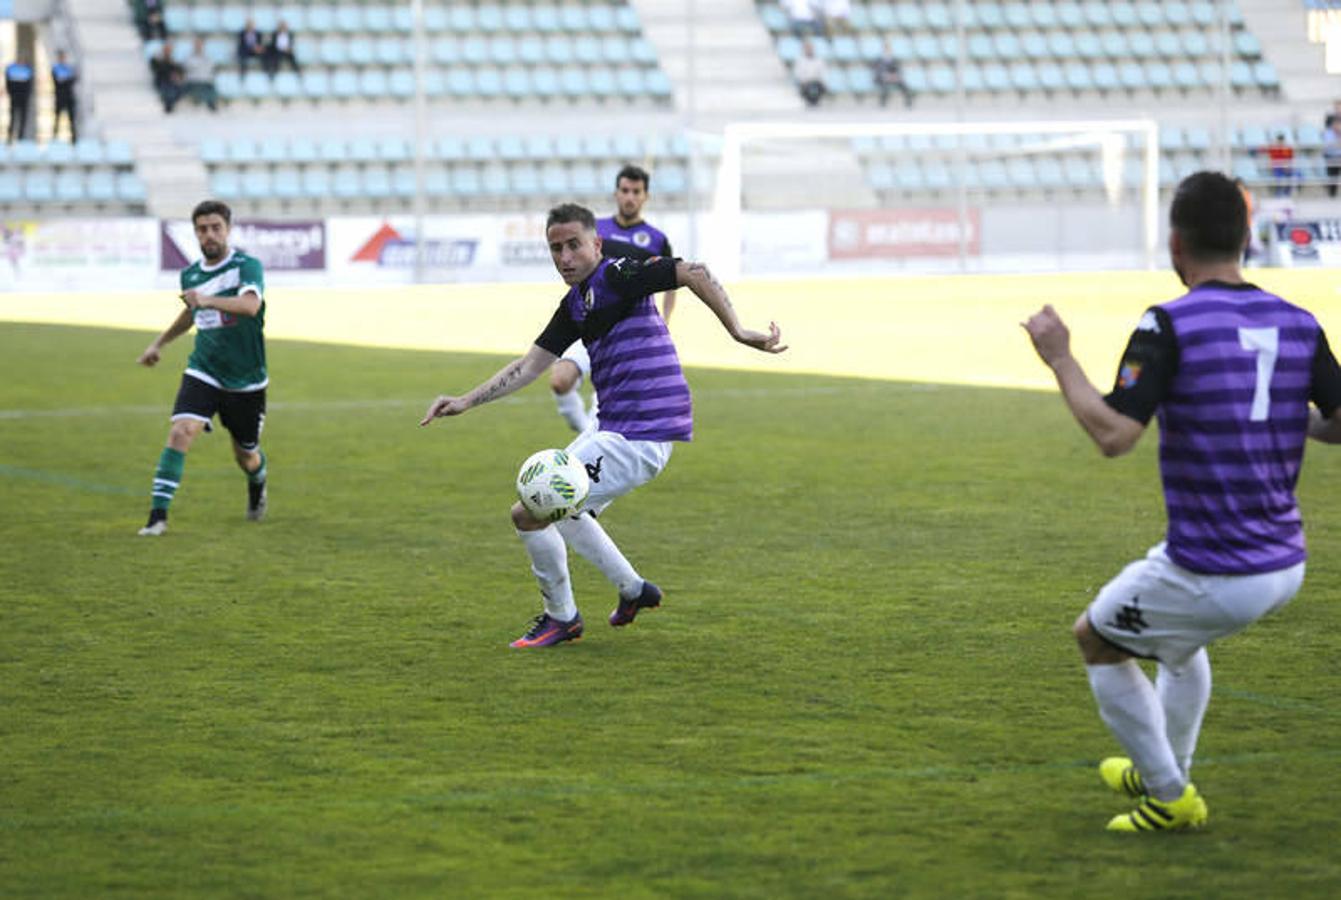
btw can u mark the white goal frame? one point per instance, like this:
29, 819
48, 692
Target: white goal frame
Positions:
1104, 135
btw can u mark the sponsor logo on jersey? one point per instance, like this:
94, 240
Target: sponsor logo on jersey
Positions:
1129, 374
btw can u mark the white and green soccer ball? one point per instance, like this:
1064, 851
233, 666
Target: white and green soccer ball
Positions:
552, 484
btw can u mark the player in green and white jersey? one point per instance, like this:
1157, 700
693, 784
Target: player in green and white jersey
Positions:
224, 295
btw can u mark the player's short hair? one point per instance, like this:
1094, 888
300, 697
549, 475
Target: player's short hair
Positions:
212, 208
571, 212
1210, 217
634, 173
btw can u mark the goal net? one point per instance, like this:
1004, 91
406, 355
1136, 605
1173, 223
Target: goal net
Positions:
974, 197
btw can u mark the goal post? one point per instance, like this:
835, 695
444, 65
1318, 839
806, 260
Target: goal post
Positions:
964, 168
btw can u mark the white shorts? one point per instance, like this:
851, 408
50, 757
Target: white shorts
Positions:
1158, 610
617, 465
577, 355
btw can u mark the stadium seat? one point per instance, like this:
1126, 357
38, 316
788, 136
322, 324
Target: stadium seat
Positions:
316, 183
320, 19
286, 183
257, 183
1168, 44
345, 84
316, 84
378, 20
350, 19
1062, 45
489, 19
255, 85
1051, 77
1186, 76
224, 183
287, 86
129, 188
1264, 73
362, 52
100, 186
334, 51
1247, 45
204, 19
346, 183
1018, 16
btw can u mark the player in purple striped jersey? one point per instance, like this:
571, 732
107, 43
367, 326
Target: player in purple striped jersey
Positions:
645, 405
1231, 371
624, 234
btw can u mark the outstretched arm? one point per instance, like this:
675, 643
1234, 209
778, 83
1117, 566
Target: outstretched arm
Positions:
180, 326
1113, 432
696, 277
247, 303
512, 377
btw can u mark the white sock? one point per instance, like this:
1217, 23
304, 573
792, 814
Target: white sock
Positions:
1184, 695
573, 410
1130, 707
549, 563
585, 535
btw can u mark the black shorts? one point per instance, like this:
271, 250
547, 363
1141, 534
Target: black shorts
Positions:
242, 413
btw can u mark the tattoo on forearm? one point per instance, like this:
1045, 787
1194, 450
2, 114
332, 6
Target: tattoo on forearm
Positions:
498, 386
698, 268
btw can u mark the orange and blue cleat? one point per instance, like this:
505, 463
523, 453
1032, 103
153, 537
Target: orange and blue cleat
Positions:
546, 631
627, 610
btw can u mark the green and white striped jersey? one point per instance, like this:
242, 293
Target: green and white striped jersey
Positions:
230, 349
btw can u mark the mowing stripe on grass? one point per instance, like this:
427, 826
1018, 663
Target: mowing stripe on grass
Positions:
66, 481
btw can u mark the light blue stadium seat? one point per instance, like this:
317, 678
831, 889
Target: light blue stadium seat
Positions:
316, 84
1078, 77
1124, 15
333, 150
400, 83
845, 49
70, 187
1018, 16
974, 79
531, 51
286, 183
568, 146
598, 146
435, 83
1105, 77
461, 18
584, 180
303, 150
316, 183
1062, 45
1114, 44
860, 80
1241, 75
1168, 44
1080, 172
461, 82
100, 186
559, 50
1051, 77
346, 183
287, 86
630, 83
89, 152
334, 51
345, 84
1210, 72
1070, 15
494, 181
1204, 14
204, 19
908, 177
880, 177
129, 188
1132, 77
220, 51
449, 148
990, 16
1023, 77
481, 148
937, 176
181, 51
402, 20
539, 148
835, 80
1049, 173
320, 19
1159, 75
228, 85
996, 78
939, 16
403, 182
1088, 46
602, 19
870, 47
373, 84
574, 19
510, 148
502, 51
445, 51
232, 18
1171, 138
243, 150
980, 47
177, 19
361, 149
1177, 14
672, 180
517, 18
490, 19
272, 149
1194, 44
224, 183
917, 78
524, 180
641, 51
1186, 77
394, 150
909, 16
362, 52
1308, 137
1264, 73
437, 182
257, 184
489, 82
1150, 15
58, 153
601, 82
377, 182
1022, 174
350, 19
25, 153
391, 51
545, 19
1007, 45
776, 21
378, 19
255, 85
1034, 45
475, 50
267, 18
119, 153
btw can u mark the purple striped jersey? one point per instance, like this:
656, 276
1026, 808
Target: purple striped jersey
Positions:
634, 367
646, 238
1231, 370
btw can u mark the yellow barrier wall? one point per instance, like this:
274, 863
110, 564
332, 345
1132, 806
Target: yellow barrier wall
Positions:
942, 329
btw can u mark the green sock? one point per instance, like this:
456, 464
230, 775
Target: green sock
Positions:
167, 477
258, 477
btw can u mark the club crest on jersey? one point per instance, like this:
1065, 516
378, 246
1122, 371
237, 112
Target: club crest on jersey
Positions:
1148, 322
642, 238
1129, 374
589, 300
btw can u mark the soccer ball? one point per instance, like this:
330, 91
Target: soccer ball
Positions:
552, 484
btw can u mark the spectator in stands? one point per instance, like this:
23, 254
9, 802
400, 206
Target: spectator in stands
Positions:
835, 15
250, 47
63, 78
803, 16
809, 72
198, 76
19, 86
168, 76
1280, 157
889, 77
1331, 151
280, 49
149, 18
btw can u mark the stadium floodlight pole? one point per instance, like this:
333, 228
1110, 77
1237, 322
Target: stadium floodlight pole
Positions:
727, 215
420, 110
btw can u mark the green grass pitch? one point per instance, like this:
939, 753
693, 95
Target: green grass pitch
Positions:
861, 684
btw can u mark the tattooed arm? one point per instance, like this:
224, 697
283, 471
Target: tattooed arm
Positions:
706, 287
512, 377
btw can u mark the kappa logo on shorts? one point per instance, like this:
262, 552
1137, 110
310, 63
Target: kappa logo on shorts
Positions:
594, 472
1129, 618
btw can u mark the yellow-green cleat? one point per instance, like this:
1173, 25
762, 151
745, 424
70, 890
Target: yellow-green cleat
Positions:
1188, 811
1120, 775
